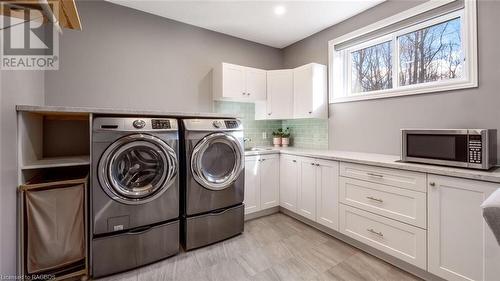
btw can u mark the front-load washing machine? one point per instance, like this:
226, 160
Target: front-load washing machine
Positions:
134, 192
212, 181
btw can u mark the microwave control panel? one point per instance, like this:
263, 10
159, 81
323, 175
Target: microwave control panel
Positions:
475, 149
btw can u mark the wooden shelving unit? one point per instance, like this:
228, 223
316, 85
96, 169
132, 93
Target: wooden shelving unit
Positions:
55, 144
55, 162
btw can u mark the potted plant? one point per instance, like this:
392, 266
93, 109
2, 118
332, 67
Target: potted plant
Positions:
277, 137
285, 137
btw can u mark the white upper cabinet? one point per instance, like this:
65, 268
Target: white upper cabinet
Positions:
256, 82
239, 83
310, 91
279, 103
461, 245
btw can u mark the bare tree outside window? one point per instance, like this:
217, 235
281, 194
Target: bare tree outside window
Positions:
431, 54
372, 68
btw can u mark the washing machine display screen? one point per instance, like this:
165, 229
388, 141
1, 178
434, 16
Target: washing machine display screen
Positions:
218, 161
138, 170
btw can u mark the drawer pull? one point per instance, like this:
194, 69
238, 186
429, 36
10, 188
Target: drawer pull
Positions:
379, 234
375, 175
375, 199
294, 161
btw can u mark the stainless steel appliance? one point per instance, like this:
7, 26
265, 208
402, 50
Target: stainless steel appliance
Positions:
468, 148
134, 192
212, 181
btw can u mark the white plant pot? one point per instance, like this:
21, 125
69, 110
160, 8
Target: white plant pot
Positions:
277, 142
285, 142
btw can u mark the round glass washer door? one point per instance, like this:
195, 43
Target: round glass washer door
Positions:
137, 169
217, 161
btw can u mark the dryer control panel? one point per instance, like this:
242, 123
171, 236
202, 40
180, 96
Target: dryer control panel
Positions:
212, 124
136, 124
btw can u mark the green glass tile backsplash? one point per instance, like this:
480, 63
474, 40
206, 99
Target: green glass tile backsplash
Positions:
305, 133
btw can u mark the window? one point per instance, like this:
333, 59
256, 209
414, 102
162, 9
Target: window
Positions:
435, 53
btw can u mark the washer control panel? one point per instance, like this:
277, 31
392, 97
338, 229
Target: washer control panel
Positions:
158, 124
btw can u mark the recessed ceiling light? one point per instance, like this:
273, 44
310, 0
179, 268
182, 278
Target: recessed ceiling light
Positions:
279, 10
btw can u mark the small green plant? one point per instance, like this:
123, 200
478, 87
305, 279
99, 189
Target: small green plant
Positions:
286, 133
278, 133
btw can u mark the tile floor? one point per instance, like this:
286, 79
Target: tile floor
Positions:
275, 247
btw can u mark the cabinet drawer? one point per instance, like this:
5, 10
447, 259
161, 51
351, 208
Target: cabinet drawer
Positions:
399, 178
396, 203
400, 240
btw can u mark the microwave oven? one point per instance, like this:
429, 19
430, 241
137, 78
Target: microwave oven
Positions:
467, 148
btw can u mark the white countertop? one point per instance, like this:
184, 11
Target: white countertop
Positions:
385, 160
115, 111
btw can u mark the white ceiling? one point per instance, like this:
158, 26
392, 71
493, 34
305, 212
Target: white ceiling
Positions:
256, 20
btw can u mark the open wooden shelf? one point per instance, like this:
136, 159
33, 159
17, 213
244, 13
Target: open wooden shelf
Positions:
54, 162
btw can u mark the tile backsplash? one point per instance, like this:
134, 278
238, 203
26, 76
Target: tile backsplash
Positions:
305, 133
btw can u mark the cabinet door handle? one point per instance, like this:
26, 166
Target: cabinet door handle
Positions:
310, 112
248, 94
375, 199
379, 234
269, 113
294, 161
262, 160
243, 93
317, 164
432, 183
313, 164
375, 175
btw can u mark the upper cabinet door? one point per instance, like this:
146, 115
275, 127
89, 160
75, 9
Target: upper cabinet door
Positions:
289, 170
310, 91
269, 181
327, 190
233, 81
460, 244
255, 84
280, 94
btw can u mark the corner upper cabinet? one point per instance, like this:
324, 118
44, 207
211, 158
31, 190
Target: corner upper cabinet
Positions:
279, 103
239, 83
310, 91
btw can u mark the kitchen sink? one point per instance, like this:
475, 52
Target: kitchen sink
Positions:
258, 149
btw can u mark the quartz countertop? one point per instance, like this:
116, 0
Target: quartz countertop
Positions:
115, 111
384, 160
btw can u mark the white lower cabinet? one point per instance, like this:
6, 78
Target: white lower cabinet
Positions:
269, 182
461, 246
327, 206
252, 184
309, 187
289, 171
261, 182
400, 240
306, 204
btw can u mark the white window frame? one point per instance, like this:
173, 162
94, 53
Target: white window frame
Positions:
340, 61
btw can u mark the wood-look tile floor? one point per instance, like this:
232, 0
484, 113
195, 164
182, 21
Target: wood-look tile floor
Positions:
276, 247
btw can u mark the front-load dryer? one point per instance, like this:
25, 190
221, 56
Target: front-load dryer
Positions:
212, 181
134, 192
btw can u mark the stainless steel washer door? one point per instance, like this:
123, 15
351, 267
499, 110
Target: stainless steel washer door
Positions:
217, 161
137, 169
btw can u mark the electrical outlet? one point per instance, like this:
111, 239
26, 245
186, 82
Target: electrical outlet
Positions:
264, 135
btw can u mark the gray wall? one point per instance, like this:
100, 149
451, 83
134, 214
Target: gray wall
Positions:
373, 126
16, 87
127, 58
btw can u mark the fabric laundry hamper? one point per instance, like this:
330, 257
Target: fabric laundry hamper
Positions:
54, 225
